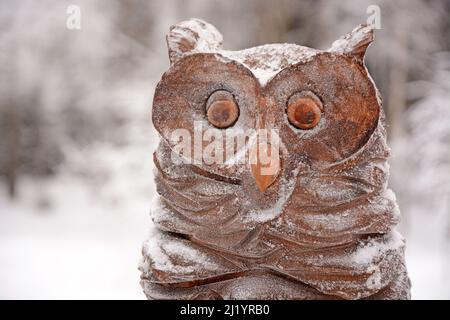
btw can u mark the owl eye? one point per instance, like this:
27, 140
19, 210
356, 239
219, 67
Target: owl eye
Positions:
221, 109
304, 110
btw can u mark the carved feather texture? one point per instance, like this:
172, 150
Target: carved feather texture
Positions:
323, 230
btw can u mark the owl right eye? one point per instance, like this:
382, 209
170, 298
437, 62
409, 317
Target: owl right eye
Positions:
221, 109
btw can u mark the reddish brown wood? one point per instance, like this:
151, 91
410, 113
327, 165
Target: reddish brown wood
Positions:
262, 179
322, 226
304, 112
223, 114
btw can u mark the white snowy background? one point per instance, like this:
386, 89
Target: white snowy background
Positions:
76, 139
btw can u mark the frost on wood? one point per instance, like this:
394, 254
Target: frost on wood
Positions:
196, 36
192, 36
325, 228
355, 43
268, 60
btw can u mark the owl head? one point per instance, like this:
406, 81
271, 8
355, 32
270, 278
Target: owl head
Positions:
322, 107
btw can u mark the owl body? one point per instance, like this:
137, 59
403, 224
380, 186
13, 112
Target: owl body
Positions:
319, 226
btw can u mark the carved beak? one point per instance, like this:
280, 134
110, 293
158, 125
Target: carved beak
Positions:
265, 164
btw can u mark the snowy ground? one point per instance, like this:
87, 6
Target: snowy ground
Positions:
84, 245
428, 258
76, 249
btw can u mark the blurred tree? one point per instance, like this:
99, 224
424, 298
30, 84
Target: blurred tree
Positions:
12, 151
422, 161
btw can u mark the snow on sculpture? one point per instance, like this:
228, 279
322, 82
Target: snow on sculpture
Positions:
319, 226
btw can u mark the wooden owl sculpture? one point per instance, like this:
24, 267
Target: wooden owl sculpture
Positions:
320, 223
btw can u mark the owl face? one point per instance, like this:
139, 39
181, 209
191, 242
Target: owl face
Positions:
322, 106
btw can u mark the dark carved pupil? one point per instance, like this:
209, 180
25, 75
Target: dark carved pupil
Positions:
221, 115
301, 116
304, 112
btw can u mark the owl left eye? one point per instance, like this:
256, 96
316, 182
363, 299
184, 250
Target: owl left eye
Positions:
304, 110
221, 109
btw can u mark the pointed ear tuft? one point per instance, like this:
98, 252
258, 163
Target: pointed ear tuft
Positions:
192, 36
355, 43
